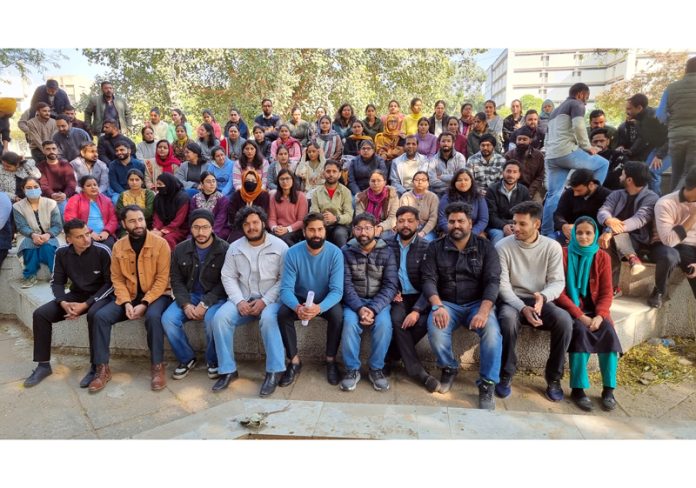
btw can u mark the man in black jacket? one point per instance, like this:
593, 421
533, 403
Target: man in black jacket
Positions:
53, 95
501, 197
584, 196
409, 310
198, 291
87, 265
600, 139
461, 278
106, 145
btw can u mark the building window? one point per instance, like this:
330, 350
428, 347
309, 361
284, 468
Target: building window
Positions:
576, 73
545, 60
542, 92
544, 76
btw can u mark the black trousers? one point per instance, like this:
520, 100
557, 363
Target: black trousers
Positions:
334, 328
556, 320
337, 234
49, 313
404, 341
664, 257
687, 255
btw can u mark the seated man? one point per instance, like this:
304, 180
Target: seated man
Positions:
600, 139
531, 163
627, 219
584, 196
198, 292
107, 143
531, 278
87, 265
335, 202
675, 220
598, 120
501, 197
409, 309
57, 176
119, 168
312, 265
405, 166
486, 165
461, 279
140, 275
444, 164
69, 139
531, 121
369, 286
251, 276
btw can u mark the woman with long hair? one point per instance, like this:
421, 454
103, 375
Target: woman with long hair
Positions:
438, 121
356, 137
288, 206
300, 129
463, 188
137, 194
381, 201
263, 144
146, 149
329, 140
251, 193
178, 118
38, 220
13, 172
282, 162
95, 209
512, 122
232, 142
171, 208
345, 116
206, 139
362, 167
251, 158
427, 143
426, 202
181, 140
290, 143
373, 125
221, 167
495, 121
236, 119
209, 118
210, 198
410, 123
164, 162
189, 173
587, 298
310, 169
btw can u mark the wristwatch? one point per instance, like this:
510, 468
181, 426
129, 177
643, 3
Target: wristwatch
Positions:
203, 305
435, 308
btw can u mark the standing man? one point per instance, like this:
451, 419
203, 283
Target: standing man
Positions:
444, 164
335, 202
106, 145
568, 148
678, 109
461, 278
38, 129
486, 165
531, 278
52, 95
251, 277
57, 176
140, 275
107, 106
267, 121
369, 286
501, 197
409, 309
312, 265
198, 292
69, 138
87, 265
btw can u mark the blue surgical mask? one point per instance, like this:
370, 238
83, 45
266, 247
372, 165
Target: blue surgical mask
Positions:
33, 193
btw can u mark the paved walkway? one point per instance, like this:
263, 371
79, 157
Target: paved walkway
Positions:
310, 408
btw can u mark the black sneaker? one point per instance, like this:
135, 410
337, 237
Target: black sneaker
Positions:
184, 369
581, 400
213, 372
486, 400
554, 392
656, 299
332, 374
504, 388
608, 400
447, 379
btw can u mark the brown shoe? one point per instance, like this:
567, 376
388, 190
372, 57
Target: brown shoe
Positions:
101, 378
159, 380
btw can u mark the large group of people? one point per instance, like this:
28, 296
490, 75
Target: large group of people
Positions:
402, 226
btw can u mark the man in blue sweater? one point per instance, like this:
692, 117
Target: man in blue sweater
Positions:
119, 168
313, 265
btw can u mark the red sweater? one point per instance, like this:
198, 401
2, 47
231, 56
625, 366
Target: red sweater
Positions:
57, 178
78, 208
600, 288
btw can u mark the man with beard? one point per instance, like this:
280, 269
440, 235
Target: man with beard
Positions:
119, 168
51, 94
531, 278
461, 280
107, 106
88, 163
444, 164
317, 266
57, 176
600, 140
335, 202
598, 120
409, 309
251, 277
369, 286
486, 165
68, 138
140, 274
531, 162
87, 266
69, 111
39, 128
531, 121
106, 145
501, 197
198, 292
269, 122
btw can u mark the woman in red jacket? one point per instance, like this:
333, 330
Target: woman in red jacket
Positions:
95, 209
587, 298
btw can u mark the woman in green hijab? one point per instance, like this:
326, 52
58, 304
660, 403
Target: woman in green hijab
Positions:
587, 298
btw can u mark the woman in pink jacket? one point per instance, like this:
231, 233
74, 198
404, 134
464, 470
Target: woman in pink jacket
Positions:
95, 209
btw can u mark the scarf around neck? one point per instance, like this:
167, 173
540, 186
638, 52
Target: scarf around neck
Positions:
375, 202
579, 263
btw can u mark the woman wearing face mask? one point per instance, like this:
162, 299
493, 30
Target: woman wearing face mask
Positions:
463, 188
95, 209
221, 167
290, 143
38, 220
171, 207
251, 193
251, 158
189, 173
232, 144
137, 194
587, 298
164, 162
380, 200
288, 206
178, 118
209, 118
211, 199
180, 142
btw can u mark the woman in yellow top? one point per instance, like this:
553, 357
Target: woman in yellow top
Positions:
410, 123
138, 195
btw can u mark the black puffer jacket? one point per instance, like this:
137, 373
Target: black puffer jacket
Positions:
370, 280
184, 264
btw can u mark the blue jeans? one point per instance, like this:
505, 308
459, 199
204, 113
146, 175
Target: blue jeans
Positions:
173, 323
557, 170
381, 333
228, 319
33, 258
495, 235
655, 183
430, 236
491, 340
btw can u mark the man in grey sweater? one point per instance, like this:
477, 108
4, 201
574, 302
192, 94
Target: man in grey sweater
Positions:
531, 278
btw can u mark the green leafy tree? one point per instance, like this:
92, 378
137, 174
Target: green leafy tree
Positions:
24, 61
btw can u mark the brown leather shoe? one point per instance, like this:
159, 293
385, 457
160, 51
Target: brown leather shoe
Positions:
159, 380
101, 378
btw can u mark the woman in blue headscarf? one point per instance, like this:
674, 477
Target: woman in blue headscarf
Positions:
587, 298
